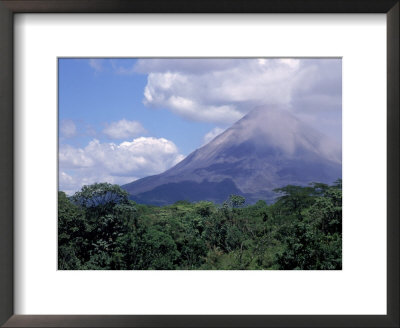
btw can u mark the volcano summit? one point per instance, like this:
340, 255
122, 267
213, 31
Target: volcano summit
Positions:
264, 150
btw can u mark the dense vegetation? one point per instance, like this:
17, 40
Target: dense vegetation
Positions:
100, 228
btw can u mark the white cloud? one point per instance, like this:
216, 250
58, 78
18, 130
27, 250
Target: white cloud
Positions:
71, 184
123, 129
115, 163
294, 63
67, 128
67, 182
96, 64
218, 91
186, 65
221, 91
212, 134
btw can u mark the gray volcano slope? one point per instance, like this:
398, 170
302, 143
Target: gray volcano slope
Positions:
266, 149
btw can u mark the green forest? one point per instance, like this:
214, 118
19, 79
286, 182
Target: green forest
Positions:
99, 228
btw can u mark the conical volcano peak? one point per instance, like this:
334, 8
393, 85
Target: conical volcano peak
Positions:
268, 148
260, 123
269, 125
266, 126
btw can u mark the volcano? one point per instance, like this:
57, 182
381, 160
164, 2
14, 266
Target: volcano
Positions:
266, 149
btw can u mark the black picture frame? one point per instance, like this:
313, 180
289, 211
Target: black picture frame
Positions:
10, 7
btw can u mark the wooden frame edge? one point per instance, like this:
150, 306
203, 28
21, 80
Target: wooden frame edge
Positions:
6, 164
7, 10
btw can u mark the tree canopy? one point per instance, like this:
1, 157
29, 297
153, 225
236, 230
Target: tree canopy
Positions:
99, 228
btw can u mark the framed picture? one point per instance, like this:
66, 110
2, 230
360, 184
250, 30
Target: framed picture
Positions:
195, 164
180, 183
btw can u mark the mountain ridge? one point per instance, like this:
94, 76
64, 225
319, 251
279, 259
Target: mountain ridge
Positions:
266, 149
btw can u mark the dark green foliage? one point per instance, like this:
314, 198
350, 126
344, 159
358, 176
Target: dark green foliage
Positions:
314, 240
99, 228
236, 201
155, 250
72, 243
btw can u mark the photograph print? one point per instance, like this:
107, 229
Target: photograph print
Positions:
199, 164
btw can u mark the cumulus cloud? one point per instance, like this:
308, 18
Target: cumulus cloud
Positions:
67, 182
67, 128
221, 91
74, 182
115, 163
124, 129
212, 134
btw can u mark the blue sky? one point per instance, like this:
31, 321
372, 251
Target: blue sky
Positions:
93, 98
123, 119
